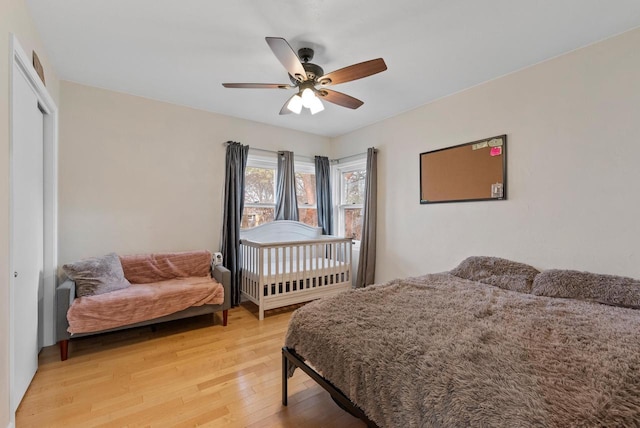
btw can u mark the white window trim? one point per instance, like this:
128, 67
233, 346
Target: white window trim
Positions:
257, 161
338, 194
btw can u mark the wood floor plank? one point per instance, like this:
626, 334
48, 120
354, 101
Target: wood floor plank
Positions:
186, 373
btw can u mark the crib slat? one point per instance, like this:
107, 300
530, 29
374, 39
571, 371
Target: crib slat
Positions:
304, 264
298, 270
327, 262
253, 273
301, 280
258, 263
320, 263
314, 266
270, 273
336, 265
284, 269
281, 268
285, 252
246, 268
344, 261
336, 261
327, 265
290, 276
350, 261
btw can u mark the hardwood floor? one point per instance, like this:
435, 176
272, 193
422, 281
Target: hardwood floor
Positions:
185, 373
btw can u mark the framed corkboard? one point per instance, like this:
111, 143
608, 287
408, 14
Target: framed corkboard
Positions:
475, 171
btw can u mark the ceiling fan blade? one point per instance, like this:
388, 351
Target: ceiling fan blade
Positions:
257, 85
287, 57
284, 109
353, 72
339, 98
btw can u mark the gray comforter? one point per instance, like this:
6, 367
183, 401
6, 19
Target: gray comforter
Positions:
442, 351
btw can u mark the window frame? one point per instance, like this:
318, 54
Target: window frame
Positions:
339, 193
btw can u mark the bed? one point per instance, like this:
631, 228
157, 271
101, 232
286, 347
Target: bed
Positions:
287, 262
490, 343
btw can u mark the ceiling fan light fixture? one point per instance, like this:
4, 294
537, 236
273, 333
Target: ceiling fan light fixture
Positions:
295, 104
307, 97
316, 105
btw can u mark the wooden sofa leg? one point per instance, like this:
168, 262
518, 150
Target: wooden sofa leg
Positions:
225, 314
64, 349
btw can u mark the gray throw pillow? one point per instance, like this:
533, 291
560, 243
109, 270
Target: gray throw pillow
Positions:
97, 275
607, 289
502, 273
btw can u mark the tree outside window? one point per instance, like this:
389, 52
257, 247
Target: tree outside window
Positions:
259, 196
259, 185
354, 182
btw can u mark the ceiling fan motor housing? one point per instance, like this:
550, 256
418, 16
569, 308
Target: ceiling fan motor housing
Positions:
313, 72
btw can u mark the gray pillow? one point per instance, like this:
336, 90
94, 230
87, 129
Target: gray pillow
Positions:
97, 275
608, 289
502, 273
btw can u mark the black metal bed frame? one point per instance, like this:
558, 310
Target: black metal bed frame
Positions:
289, 356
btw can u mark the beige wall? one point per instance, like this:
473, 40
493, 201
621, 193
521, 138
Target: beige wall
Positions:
138, 175
14, 18
573, 126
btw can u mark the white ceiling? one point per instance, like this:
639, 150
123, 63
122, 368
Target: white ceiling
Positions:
181, 51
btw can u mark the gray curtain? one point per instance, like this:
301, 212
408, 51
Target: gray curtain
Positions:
367, 263
235, 165
323, 194
286, 201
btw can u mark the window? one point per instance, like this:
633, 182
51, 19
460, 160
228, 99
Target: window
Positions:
350, 198
260, 192
306, 193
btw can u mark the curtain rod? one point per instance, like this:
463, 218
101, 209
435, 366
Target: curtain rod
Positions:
276, 152
357, 155
272, 151
305, 157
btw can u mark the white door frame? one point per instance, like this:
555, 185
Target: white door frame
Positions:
50, 155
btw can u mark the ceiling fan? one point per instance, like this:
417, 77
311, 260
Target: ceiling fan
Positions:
310, 79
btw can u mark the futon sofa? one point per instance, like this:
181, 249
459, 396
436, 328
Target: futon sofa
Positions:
114, 292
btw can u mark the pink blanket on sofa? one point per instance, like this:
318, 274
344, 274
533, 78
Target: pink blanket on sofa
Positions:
147, 268
141, 302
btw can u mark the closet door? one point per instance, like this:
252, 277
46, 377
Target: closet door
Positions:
27, 212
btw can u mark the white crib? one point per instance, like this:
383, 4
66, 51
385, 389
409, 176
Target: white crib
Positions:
287, 262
